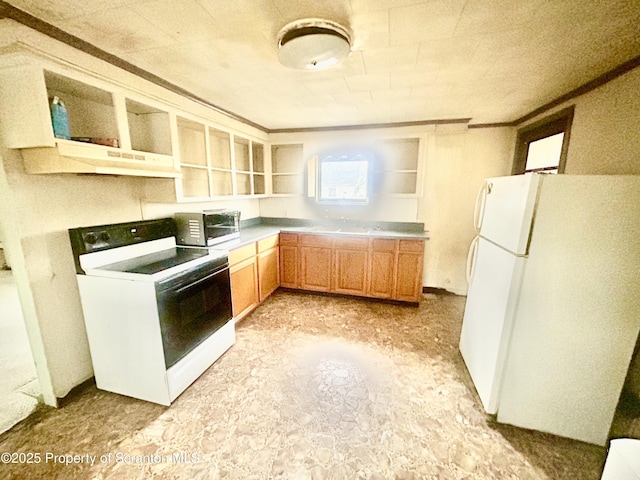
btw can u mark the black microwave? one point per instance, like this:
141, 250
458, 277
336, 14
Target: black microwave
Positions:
207, 228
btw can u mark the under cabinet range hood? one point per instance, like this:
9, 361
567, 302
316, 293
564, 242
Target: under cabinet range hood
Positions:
69, 156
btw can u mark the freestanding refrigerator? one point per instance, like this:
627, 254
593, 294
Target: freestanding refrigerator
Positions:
553, 307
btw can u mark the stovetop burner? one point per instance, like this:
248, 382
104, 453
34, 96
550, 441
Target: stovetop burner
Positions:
152, 263
141, 251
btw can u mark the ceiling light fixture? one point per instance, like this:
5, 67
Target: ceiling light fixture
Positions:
313, 44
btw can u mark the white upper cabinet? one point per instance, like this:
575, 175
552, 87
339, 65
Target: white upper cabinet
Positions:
397, 169
113, 130
149, 128
287, 169
122, 130
217, 164
107, 132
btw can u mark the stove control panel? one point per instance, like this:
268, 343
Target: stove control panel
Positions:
104, 237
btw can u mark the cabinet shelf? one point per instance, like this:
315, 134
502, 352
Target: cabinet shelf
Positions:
192, 143
397, 169
90, 110
287, 169
190, 165
149, 128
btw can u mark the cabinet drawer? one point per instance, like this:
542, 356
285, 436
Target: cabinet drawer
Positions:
288, 238
242, 253
267, 243
315, 241
383, 244
351, 243
413, 246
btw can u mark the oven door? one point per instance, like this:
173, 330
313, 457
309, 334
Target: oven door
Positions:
191, 307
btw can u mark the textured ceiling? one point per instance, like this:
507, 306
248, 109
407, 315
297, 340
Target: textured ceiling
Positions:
489, 60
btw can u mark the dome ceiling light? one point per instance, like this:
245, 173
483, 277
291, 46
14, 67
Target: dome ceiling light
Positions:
313, 44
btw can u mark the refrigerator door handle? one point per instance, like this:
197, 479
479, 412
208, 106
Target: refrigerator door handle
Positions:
478, 211
471, 259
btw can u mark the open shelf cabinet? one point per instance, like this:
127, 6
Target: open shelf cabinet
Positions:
216, 163
397, 168
287, 169
108, 133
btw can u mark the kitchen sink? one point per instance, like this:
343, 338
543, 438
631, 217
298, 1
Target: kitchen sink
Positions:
325, 228
354, 230
338, 229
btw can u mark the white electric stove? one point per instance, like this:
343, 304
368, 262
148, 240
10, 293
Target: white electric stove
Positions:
157, 314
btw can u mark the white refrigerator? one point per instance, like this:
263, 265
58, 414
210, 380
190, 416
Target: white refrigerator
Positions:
553, 307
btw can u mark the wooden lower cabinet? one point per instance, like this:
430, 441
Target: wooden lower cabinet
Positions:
373, 267
315, 268
244, 287
409, 271
315, 263
289, 266
289, 260
255, 274
382, 268
268, 278
351, 265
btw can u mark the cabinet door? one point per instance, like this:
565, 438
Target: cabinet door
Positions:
315, 268
244, 287
289, 266
409, 271
382, 268
351, 271
382, 274
268, 272
351, 262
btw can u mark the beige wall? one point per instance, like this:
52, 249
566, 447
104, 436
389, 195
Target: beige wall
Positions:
456, 166
44, 207
605, 135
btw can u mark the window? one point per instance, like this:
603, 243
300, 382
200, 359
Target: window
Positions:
542, 146
344, 178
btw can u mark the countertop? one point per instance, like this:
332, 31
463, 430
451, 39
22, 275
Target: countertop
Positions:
254, 233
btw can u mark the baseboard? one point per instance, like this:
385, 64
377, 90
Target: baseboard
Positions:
440, 291
346, 295
76, 391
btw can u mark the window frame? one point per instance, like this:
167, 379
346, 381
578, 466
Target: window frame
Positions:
559, 122
337, 158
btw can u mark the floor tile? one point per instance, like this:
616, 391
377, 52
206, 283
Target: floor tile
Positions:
316, 387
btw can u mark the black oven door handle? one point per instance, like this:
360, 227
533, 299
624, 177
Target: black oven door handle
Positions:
165, 286
195, 284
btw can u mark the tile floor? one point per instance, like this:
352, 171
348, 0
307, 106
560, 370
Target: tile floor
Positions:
316, 387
